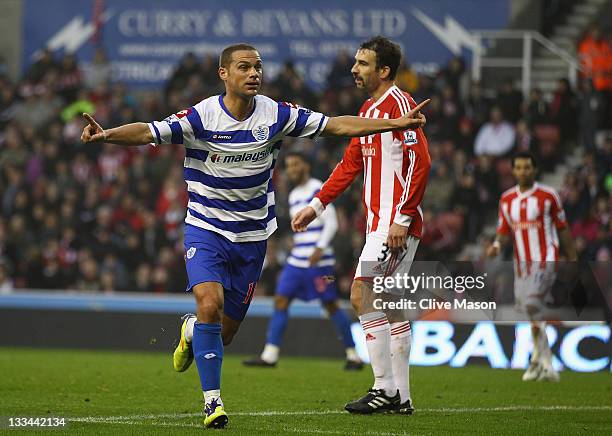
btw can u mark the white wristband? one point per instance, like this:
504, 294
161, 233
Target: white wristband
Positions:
402, 220
317, 205
496, 244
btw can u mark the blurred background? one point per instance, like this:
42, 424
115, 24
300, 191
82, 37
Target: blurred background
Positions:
106, 220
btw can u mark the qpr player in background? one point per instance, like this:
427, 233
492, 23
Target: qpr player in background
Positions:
532, 217
309, 272
232, 142
395, 168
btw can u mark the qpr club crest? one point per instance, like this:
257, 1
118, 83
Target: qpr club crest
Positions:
261, 132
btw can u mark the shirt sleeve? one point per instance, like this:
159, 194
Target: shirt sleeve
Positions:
301, 122
179, 128
330, 226
557, 213
343, 175
418, 168
503, 227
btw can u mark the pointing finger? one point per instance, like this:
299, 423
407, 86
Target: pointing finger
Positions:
90, 120
420, 106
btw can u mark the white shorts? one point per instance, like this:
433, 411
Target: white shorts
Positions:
533, 289
376, 258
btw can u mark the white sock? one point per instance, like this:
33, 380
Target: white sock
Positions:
270, 353
545, 353
376, 328
401, 340
352, 355
535, 352
212, 395
189, 328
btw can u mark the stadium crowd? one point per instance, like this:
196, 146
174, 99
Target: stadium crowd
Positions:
109, 218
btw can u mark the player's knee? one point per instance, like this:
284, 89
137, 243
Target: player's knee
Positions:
281, 302
209, 302
209, 309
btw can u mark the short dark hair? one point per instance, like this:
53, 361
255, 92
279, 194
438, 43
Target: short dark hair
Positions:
298, 154
388, 53
226, 54
525, 155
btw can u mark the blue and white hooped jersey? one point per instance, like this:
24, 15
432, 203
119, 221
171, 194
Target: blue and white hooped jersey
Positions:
229, 163
318, 234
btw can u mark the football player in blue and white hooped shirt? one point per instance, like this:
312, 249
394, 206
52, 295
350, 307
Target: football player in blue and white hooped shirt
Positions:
309, 272
232, 142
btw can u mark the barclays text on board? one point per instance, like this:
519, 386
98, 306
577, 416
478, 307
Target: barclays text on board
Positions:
585, 348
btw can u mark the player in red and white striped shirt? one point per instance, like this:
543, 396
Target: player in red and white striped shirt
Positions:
395, 168
531, 215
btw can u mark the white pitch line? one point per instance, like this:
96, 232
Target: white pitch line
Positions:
141, 419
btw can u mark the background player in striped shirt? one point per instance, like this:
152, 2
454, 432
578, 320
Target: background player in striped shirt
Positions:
309, 272
532, 217
395, 168
232, 142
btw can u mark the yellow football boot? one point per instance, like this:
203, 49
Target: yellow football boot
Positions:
215, 415
183, 353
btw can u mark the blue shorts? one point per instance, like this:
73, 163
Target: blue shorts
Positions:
210, 257
307, 283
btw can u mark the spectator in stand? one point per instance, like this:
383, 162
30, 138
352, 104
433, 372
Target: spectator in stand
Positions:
340, 73
562, 111
594, 53
407, 79
487, 180
510, 101
208, 72
99, 71
477, 107
465, 201
450, 114
69, 77
524, 138
604, 80
187, 67
536, 111
43, 65
495, 138
591, 112
455, 76
439, 189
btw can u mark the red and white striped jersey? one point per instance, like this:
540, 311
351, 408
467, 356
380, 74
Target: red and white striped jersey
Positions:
532, 218
395, 165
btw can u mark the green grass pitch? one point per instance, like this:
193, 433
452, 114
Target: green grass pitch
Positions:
138, 393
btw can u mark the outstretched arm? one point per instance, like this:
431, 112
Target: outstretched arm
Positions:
346, 125
128, 134
340, 179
